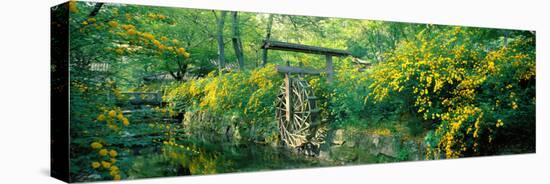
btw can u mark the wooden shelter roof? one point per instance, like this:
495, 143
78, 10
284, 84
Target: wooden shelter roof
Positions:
284, 46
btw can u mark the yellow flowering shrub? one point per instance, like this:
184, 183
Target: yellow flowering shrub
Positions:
99, 129
104, 160
130, 37
248, 95
114, 119
460, 85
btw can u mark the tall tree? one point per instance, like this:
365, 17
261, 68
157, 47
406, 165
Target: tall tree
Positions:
267, 37
237, 43
220, 21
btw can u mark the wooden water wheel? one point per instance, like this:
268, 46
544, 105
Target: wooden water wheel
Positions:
296, 112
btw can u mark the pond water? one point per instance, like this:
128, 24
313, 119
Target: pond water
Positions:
219, 157
230, 157
204, 153
249, 156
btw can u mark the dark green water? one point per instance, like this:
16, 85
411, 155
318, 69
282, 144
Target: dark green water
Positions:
249, 156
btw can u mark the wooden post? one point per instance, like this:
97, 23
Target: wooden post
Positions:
330, 68
289, 111
301, 65
264, 57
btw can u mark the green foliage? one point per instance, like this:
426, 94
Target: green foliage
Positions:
344, 96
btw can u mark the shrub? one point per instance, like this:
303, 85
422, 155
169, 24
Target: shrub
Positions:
470, 91
241, 99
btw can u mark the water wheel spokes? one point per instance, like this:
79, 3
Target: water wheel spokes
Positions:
295, 111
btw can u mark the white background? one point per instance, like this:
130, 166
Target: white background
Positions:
24, 88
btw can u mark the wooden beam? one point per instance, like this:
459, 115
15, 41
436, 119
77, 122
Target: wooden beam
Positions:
277, 45
296, 70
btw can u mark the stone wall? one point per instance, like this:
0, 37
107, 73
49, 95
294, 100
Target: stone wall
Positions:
361, 147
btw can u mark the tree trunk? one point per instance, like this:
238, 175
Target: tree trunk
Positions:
237, 44
221, 52
96, 9
379, 46
267, 37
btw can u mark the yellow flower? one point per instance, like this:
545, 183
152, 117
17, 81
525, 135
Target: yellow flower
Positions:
514, 105
156, 42
103, 152
72, 7
84, 22
186, 55
105, 165
113, 160
174, 41
125, 122
491, 66
128, 26
499, 123
163, 38
148, 36
113, 172
96, 145
181, 50
112, 113
113, 23
114, 168
113, 153
101, 117
116, 177
95, 165
131, 31
161, 47
120, 116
